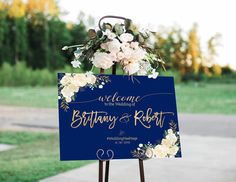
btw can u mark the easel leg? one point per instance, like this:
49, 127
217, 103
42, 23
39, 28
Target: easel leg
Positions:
141, 170
100, 171
107, 171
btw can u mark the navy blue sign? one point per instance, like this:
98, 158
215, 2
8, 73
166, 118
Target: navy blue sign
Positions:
117, 117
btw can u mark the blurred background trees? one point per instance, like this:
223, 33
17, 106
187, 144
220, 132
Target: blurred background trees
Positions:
32, 35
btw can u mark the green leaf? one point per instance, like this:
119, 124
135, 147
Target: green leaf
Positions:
99, 33
92, 33
106, 26
128, 23
118, 28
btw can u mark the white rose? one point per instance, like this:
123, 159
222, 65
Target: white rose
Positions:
73, 88
67, 92
160, 151
128, 52
126, 37
104, 46
102, 60
91, 79
68, 99
110, 35
139, 54
134, 45
132, 68
120, 55
114, 46
79, 80
173, 150
149, 153
166, 142
65, 79
145, 67
125, 45
172, 138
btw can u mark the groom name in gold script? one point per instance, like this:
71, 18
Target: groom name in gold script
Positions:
91, 118
148, 116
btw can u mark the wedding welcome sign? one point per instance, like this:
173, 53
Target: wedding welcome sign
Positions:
108, 117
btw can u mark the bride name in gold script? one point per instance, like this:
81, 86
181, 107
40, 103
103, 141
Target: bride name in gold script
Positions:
91, 118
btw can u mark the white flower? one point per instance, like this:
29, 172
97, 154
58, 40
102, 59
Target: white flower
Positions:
149, 152
76, 64
166, 142
114, 46
79, 80
173, 150
154, 74
139, 54
68, 99
100, 86
110, 35
91, 79
132, 68
125, 45
170, 131
67, 92
128, 52
160, 151
140, 145
73, 88
126, 37
104, 46
120, 55
134, 45
145, 67
172, 138
65, 79
102, 60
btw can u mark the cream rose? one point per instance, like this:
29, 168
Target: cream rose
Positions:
114, 46
126, 37
131, 68
160, 151
79, 80
102, 60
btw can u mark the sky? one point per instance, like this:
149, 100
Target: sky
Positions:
212, 16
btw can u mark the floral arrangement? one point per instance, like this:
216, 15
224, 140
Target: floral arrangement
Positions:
168, 147
120, 44
71, 83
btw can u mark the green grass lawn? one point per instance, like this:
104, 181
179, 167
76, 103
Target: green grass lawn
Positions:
191, 98
35, 157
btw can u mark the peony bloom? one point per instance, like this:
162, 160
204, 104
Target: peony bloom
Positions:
91, 79
104, 46
114, 46
102, 60
149, 153
139, 54
67, 93
120, 55
145, 67
160, 151
172, 138
173, 150
134, 45
126, 37
110, 35
79, 80
66, 79
131, 68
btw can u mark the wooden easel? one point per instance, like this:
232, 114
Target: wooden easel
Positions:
100, 168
